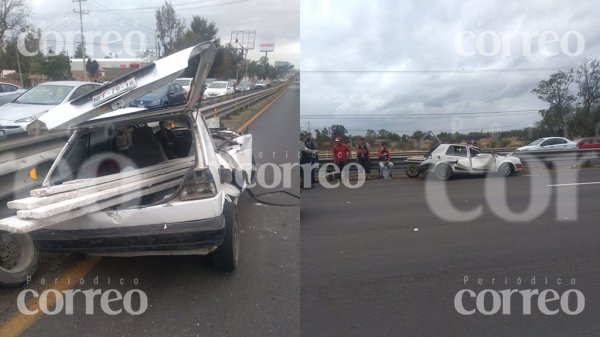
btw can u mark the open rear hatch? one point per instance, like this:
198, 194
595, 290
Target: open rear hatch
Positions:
147, 153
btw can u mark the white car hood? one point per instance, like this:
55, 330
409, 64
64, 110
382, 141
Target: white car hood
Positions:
15, 111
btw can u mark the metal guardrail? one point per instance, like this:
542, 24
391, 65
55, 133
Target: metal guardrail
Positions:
227, 107
214, 100
549, 159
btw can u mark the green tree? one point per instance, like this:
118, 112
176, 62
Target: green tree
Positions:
204, 29
92, 67
170, 27
56, 67
556, 92
338, 131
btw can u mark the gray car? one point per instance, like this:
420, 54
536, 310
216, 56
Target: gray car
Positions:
16, 115
9, 92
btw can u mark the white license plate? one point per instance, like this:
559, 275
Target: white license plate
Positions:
114, 91
141, 106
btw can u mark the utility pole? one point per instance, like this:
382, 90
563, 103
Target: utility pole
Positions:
19, 66
81, 13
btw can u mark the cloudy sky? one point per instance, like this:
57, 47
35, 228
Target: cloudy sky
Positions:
436, 65
274, 21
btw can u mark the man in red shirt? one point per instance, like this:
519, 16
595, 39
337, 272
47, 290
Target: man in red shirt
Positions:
341, 153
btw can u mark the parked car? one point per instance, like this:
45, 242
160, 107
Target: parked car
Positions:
261, 84
184, 82
18, 114
447, 160
9, 92
548, 143
245, 86
194, 212
170, 94
218, 88
589, 143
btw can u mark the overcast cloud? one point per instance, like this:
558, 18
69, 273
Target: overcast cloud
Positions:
274, 21
416, 69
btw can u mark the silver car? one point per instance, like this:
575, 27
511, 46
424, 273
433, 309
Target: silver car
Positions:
9, 91
16, 115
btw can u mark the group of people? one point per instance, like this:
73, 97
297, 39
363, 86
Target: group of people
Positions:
342, 156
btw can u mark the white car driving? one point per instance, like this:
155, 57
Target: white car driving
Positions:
134, 181
219, 88
548, 144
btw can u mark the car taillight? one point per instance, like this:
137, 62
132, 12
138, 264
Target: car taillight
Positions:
198, 185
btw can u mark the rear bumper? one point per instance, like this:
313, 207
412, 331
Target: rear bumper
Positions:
159, 237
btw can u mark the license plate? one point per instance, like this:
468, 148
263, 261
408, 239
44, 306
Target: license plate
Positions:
141, 106
114, 91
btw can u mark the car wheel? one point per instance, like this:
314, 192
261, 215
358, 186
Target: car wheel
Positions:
412, 171
226, 257
443, 172
505, 170
19, 258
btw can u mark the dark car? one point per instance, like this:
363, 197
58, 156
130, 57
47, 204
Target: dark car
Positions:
245, 86
589, 143
170, 94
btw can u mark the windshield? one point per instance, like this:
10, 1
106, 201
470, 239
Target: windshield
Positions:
45, 94
245, 84
182, 82
161, 91
217, 85
536, 142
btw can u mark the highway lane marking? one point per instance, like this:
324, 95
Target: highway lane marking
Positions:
19, 322
574, 184
256, 115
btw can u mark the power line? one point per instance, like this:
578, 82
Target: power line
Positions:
120, 18
153, 9
480, 114
433, 71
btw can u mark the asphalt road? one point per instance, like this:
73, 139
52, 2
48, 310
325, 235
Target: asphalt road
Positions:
367, 271
186, 296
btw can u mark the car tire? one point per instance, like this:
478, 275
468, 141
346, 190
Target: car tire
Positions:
412, 171
505, 170
19, 258
443, 172
226, 257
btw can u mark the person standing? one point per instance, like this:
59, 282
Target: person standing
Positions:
385, 163
306, 156
311, 157
362, 155
341, 154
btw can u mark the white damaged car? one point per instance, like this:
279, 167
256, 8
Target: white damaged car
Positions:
447, 160
134, 181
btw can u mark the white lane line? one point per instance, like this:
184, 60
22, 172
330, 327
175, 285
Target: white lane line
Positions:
574, 184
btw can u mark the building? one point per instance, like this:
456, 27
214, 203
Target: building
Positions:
280, 64
109, 68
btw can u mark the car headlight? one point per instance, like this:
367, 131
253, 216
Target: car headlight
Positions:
30, 118
155, 102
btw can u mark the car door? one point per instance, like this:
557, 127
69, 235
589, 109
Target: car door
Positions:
459, 154
560, 143
480, 161
548, 144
